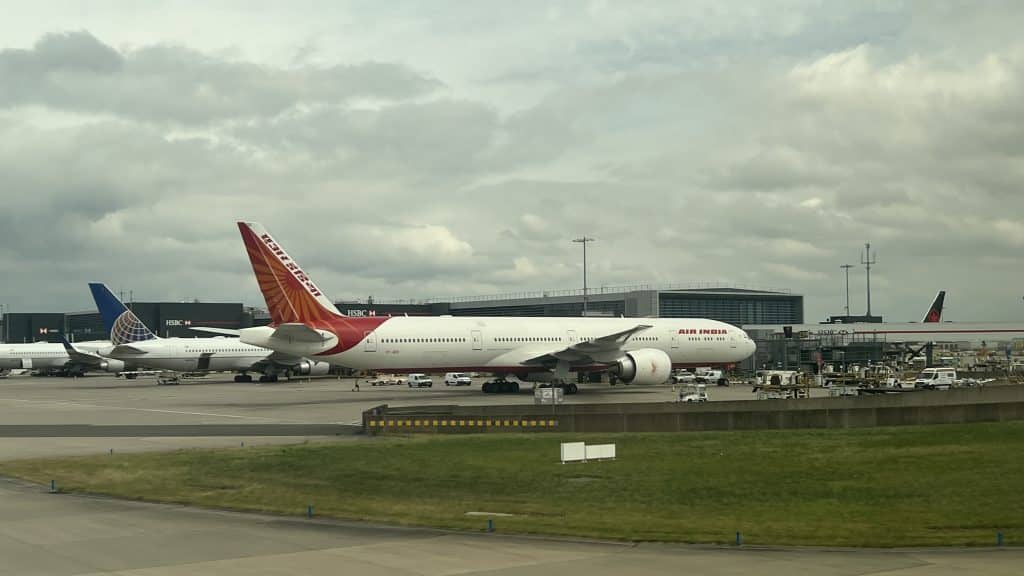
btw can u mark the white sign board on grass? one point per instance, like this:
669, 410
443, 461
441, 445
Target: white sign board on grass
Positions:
573, 452
600, 452
580, 452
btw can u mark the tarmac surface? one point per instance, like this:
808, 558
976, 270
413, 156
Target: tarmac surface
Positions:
93, 414
62, 534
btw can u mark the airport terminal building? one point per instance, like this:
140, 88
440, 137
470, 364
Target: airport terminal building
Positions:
166, 319
732, 304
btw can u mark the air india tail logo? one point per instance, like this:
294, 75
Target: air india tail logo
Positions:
290, 265
290, 294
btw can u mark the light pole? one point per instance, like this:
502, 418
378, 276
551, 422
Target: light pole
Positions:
584, 240
867, 260
846, 268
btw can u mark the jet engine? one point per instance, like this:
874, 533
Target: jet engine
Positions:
307, 368
111, 365
647, 366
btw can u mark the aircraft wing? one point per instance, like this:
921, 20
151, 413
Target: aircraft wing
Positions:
220, 331
603, 350
297, 332
79, 357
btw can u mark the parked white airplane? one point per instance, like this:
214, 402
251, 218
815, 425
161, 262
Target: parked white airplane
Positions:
641, 351
133, 342
47, 357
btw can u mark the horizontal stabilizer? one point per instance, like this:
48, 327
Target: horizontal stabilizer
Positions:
221, 331
126, 350
78, 356
295, 332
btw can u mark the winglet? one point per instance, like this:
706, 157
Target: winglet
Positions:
121, 323
68, 347
290, 294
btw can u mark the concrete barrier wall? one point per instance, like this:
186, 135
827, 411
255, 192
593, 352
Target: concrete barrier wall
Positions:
993, 404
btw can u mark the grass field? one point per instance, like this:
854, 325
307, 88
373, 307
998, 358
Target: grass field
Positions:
908, 486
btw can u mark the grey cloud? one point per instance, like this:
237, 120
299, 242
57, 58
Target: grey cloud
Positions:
168, 83
427, 140
759, 153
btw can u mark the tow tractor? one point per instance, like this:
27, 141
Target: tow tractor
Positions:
693, 393
167, 379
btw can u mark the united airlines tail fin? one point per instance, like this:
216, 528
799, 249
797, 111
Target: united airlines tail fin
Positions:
291, 295
121, 323
935, 312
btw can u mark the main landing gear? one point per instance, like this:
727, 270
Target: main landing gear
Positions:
500, 387
506, 387
248, 378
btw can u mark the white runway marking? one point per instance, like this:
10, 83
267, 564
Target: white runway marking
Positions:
182, 412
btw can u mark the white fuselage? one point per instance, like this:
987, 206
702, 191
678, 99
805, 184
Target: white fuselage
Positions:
42, 355
503, 344
191, 354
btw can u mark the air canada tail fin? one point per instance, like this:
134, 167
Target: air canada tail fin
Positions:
935, 312
121, 323
291, 295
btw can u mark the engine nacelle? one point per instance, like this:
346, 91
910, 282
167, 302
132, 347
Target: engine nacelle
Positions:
111, 365
307, 368
647, 366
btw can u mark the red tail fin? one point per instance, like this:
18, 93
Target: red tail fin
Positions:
291, 295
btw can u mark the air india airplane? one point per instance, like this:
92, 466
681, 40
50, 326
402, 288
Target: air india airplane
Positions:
636, 350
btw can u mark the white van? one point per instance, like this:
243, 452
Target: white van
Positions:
457, 379
419, 381
710, 376
936, 378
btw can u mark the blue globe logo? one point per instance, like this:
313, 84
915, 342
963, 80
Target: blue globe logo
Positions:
128, 328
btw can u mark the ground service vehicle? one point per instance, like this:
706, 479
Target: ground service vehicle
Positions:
419, 381
457, 379
710, 376
694, 393
683, 377
936, 378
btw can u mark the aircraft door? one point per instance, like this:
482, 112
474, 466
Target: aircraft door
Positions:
478, 340
733, 342
675, 339
571, 335
370, 339
204, 361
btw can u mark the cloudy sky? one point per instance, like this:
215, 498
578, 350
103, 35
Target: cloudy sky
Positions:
431, 149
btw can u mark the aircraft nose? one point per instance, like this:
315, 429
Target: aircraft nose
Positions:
748, 346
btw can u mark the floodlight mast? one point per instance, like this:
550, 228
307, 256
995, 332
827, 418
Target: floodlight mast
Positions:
584, 240
867, 260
